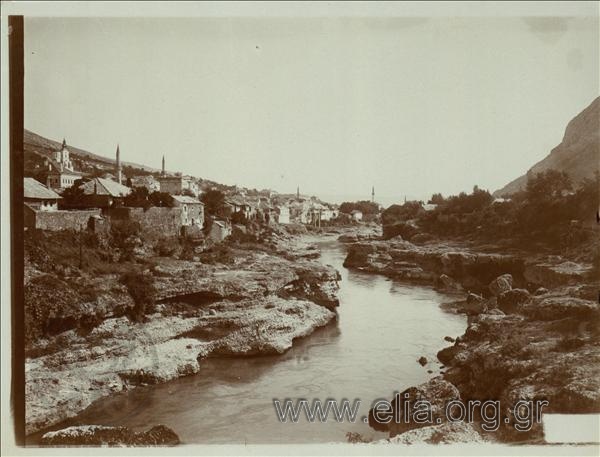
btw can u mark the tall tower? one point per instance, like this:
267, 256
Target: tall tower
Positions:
298, 192
119, 169
163, 166
373, 194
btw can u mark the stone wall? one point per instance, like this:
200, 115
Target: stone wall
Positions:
58, 220
154, 222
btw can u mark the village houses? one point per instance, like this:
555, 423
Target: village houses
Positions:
147, 181
38, 196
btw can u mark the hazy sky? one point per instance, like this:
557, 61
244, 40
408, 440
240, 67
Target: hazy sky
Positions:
411, 106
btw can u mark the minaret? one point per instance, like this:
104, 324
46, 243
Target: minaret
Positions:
64, 145
298, 192
162, 173
373, 194
119, 169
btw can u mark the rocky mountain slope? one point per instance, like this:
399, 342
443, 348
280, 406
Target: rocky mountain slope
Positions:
578, 154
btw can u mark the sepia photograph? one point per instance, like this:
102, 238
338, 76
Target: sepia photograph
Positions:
368, 227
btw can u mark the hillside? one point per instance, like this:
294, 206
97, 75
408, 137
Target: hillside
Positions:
578, 154
36, 148
36, 145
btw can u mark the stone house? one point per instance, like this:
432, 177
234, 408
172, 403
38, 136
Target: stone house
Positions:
41, 210
38, 196
219, 230
177, 184
103, 193
192, 210
238, 203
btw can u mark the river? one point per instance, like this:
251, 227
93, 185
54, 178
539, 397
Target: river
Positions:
369, 352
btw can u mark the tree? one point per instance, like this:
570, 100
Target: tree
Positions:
436, 199
74, 195
364, 206
139, 197
160, 198
547, 185
239, 218
214, 202
401, 213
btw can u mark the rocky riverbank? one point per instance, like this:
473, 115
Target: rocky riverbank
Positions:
533, 333
256, 303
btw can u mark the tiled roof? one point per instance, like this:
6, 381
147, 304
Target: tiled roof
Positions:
186, 199
35, 189
56, 168
101, 186
236, 200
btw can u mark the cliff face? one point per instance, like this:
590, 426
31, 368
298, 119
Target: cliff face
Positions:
578, 154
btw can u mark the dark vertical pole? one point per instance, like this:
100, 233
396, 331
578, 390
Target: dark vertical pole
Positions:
80, 246
15, 56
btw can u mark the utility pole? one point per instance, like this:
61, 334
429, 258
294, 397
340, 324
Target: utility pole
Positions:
81, 246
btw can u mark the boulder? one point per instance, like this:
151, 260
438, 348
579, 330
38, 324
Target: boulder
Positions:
555, 271
446, 433
501, 284
436, 392
100, 435
474, 299
510, 301
553, 308
422, 360
447, 282
422, 238
541, 291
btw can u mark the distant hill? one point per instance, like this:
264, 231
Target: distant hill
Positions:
578, 154
36, 145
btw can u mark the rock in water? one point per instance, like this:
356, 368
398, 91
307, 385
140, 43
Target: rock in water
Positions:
436, 392
448, 283
423, 361
101, 435
501, 284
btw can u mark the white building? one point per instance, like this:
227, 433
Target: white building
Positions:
357, 215
283, 214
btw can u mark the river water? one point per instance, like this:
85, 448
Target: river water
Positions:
369, 352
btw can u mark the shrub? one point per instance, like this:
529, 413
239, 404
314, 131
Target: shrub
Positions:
125, 235
219, 253
166, 247
239, 218
141, 288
